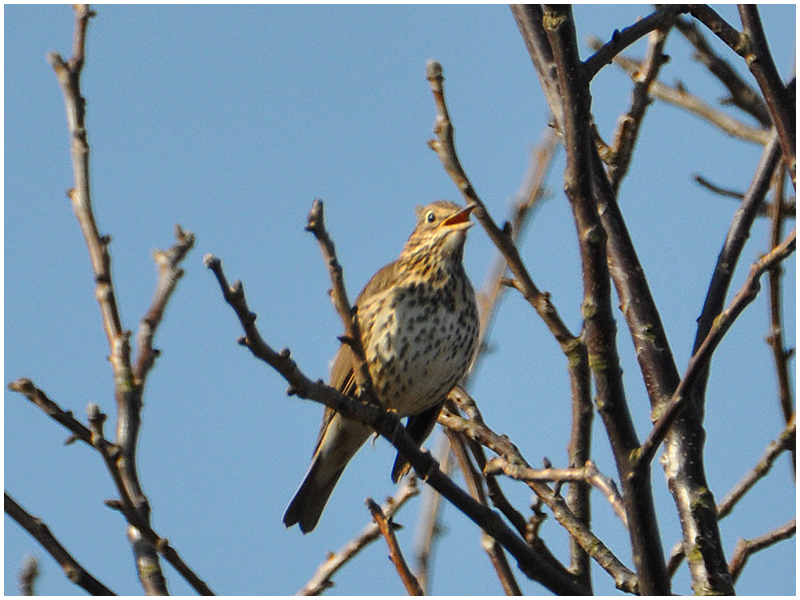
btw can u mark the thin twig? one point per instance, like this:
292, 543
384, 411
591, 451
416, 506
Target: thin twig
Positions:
751, 44
682, 98
169, 273
476, 430
744, 548
629, 124
466, 403
41, 533
719, 190
352, 336
786, 441
94, 437
742, 94
444, 146
588, 474
475, 485
527, 199
387, 530
429, 526
322, 578
28, 575
775, 338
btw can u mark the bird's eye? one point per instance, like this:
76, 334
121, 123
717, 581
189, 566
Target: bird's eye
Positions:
431, 217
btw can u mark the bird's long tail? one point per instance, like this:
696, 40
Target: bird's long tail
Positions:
341, 439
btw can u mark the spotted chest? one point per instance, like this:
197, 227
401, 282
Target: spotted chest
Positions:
419, 340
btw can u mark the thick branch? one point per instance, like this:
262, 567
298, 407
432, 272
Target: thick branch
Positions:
780, 99
786, 441
698, 364
599, 325
621, 39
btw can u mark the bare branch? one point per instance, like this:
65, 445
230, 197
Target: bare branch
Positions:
321, 580
68, 74
444, 146
742, 95
503, 447
745, 548
28, 575
780, 99
316, 225
682, 98
429, 526
94, 437
588, 474
527, 199
630, 123
41, 533
751, 44
775, 338
662, 18
387, 530
699, 362
605, 248
572, 346
786, 441
169, 274
128, 385
490, 546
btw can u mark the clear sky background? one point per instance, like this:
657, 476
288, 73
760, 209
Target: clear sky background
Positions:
230, 121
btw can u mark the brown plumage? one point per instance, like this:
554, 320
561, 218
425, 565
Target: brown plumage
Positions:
419, 328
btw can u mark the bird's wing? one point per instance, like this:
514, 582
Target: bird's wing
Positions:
342, 377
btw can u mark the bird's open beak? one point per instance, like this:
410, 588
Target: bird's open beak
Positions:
461, 217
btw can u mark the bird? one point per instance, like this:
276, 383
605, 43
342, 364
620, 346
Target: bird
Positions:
418, 318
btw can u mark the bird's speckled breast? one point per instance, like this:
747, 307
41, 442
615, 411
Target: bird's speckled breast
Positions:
419, 341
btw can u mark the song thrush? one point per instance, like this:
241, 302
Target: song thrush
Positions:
419, 329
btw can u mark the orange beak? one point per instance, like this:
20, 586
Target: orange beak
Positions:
461, 216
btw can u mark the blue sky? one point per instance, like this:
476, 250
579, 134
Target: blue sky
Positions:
230, 121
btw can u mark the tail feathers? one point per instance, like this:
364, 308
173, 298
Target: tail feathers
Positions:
310, 500
339, 440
